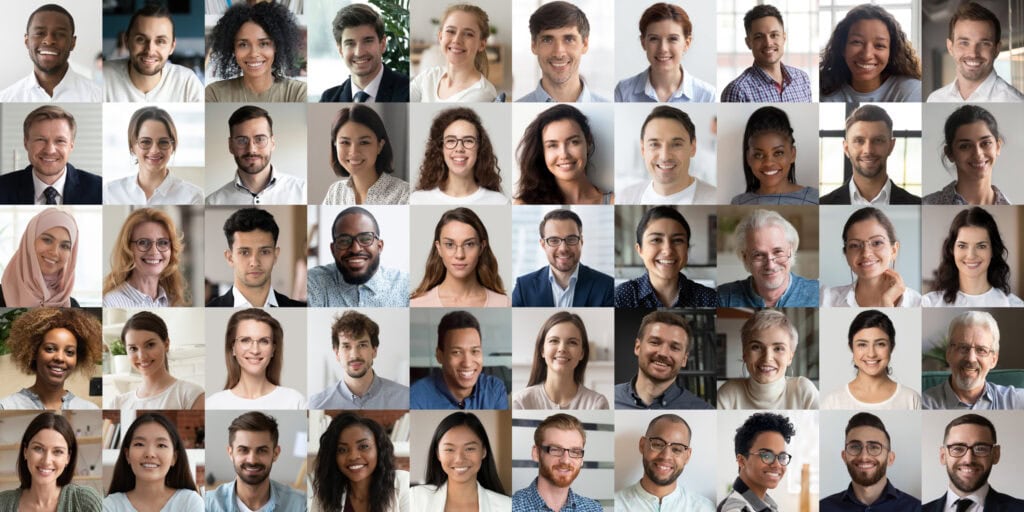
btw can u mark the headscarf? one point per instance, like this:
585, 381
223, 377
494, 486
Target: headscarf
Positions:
23, 282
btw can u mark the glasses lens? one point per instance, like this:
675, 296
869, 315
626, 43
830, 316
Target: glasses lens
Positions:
572, 240
365, 238
854, 448
343, 241
784, 458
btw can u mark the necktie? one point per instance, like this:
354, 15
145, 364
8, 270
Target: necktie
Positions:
963, 504
361, 97
51, 195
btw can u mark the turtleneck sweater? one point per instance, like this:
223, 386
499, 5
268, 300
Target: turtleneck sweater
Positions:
786, 393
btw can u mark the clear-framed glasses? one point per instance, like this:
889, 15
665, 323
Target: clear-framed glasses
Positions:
769, 458
246, 342
557, 451
657, 444
452, 247
571, 240
146, 143
242, 141
964, 349
364, 239
145, 244
979, 449
779, 257
854, 448
855, 246
453, 142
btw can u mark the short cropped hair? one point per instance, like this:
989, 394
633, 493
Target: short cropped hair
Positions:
866, 419
970, 419
869, 114
356, 15
247, 113
758, 12
560, 421
561, 214
766, 319
672, 418
151, 10
761, 219
50, 8
664, 317
456, 320
976, 12
756, 424
354, 324
355, 210
49, 113
558, 14
671, 113
247, 220
253, 421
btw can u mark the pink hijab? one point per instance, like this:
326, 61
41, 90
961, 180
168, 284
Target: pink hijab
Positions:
23, 282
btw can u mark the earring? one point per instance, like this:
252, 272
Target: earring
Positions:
888, 370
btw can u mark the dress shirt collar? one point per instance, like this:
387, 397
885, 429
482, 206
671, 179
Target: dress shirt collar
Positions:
978, 497
572, 279
586, 96
372, 88
347, 393
442, 388
239, 184
38, 186
685, 88
767, 504
882, 197
953, 400
242, 302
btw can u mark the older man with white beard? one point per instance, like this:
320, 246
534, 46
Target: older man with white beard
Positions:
665, 450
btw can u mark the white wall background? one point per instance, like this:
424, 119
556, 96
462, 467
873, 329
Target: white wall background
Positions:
293, 349
1005, 476
292, 428
88, 30
497, 220
904, 430
835, 271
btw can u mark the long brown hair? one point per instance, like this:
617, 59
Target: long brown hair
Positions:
122, 260
434, 171
276, 361
536, 183
486, 265
539, 371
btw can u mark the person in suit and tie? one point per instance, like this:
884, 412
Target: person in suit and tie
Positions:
49, 179
565, 282
252, 253
359, 34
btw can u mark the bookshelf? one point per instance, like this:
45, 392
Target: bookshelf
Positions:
87, 427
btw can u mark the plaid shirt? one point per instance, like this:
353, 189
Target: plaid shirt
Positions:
754, 85
528, 499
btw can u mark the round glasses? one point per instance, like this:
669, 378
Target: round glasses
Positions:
147, 144
453, 142
145, 244
770, 458
854, 448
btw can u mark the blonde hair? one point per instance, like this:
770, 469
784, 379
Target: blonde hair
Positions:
483, 24
122, 260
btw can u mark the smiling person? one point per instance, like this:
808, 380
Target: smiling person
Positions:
973, 271
42, 270
768, 80
662, 348
361, 152
559, 37
462, 39
146, 340
461, 472
459, 165
152, 470
361, 41
355, 468
559, 365
972, 146
49, 453
147, 75
254, 356
872, 339
254, 47
760, 446
974, 41
558, 449
152, 141
52, 344
769, 161
869, 59
664, 451
665, 35
145, 265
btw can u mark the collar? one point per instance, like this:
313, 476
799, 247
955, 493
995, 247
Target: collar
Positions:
758, 301
572, 278
890, 491
766, 505
952, 398
442, 387
764, 76
543, 97
372, 88
685, 88
38, 186
537, 503
647, 289
271, 503
64, 400
978, 497
371, 391
240, 300
883, 196
664, 399
984, 88
270, 183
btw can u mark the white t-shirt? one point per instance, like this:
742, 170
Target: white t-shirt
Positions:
180, 395
534, 397
846, 297
183, 500
699, 192
177, 84
280, 398
994, 298
903, 398
437, 196
424, 88
173, 190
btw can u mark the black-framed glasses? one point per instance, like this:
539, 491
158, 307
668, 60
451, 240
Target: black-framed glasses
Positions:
854, 448
242, 141
145, 244
657, 444
557, 451
571, 241
453, 142
769, 458
979, 449
345, 241
146, 144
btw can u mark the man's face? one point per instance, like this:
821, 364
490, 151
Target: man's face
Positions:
49, 144
767, 41
355, 354
765, 247
150, 42
357, 262
969, 369
558, 51
974, 49
245, 141
461, 360
667, 149
663, 467
559, 471
868, 145
252, 256
565, 257
662, 351
49, 41
754, 472
969, 472
253, 454
361, 50
866, 469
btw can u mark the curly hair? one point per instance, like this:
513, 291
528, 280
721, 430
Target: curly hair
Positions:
274, 18
434, 170
60, 424
29, 331
766, 120
122, 261
948, 281
536, 183
353, 325
488, 474
486, 266
756, 424
366, 116
903, 59
179, 476
329, 483
539, 370
273, 371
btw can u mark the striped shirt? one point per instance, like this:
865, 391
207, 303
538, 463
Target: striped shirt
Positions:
126, 296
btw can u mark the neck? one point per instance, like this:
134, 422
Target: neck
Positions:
254, 496
657, 490
460, 288
569, 91
258, 85
760, 491
361, 184
462, 493
560, 388
149, 180
256, 296
576, 191
149, 285
144, 83
648, 389
49, 180
459, 186
975, 286
782, 188
359, 386
562, 278
673, 188
967, 396
976, 191
156, 380
871, 383
256, 182
772, 70
464, 74
150, 490
359, 491
42, 496
665, 82
870, 494
667, 290
869, 188
967, 87
48, 81
553, 495
252, 386
770, 297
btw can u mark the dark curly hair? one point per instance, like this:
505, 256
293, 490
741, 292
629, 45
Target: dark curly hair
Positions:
537, 184
488, 474
761, 422
948, 281
766, 120
275, 19
178, 476
902, 57
29, 330
434, 171
329, 483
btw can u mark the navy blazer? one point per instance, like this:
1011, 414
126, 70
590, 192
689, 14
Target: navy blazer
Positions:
994, 502
228, 301
394, 87
593, 289
841, 195
80, 187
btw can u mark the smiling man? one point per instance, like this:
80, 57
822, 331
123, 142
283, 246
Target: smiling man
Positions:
359, 35
668, 144
252, 253
768, 80
662, 347
974, 41
559, 37
760, 447
558, 449
665, 450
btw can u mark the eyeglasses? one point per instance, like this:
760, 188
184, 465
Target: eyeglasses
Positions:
657, 444
854, 448
243, 142
959, 449
779, 258
452, 247
247, 342
145, 244
769, 458
964, 349
571, 241
557, 451
453, 142
345, 241
875, 244
147, 144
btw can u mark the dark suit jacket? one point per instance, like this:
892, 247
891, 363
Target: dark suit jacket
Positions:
994, 502
80, 187
841, 195
394, 87
593, 289
228, 301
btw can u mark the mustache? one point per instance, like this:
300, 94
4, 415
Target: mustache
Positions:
967, 365
254, 466
356, 361
357, 255
661, 359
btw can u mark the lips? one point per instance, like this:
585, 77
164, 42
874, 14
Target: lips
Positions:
767, 370
256, 65
466, 375
58, 371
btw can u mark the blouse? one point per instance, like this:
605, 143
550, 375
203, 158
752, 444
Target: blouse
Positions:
846, 296
424, 88
994, 298
183, 500
785, 393
73, 498
431, 299
437, 196
534, 397
639, 293
180, 395
902, 398
386, 190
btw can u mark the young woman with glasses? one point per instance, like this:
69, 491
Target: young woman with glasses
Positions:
152, 141
459, 165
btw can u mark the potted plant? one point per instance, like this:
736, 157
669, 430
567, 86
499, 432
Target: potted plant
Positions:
6, 319
119, 357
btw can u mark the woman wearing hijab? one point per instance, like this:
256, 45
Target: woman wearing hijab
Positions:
42, 270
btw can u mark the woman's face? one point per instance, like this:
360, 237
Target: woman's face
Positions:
664, 249
153, 134
254, 51
563, 348
151, 452
461, 453
357, 453
768, 354
867, 51
972, 252
565, 150
460, 159
665, 45
460, 248
770, 156
53, 249
974, 151
869, 252
357, 148
46, 455
151, 262
146, 351
56, 357
460, 38
871, 350
254, 347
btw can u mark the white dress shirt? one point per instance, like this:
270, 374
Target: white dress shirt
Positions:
172, 190
39, 187
72, 88
242, 302
371, 88
881, 199
993, 89
282, 189
978, 497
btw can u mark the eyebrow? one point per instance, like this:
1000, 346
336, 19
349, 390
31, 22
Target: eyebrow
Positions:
984, 137
140, 438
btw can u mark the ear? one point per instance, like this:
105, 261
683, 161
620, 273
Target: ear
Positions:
586, 45
174, 44
535, 454
892, 457
846, 148
747, 40
995, 454
640, 446
230, 450
895, 250
277, 252
277, 452
229, 256
74, 40
380, 145
636, 348
438, 355
533, 44
949, 46
637, 248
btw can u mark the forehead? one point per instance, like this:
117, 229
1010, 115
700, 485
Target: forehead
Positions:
866, 228
353, 129
50, 126
769, 441
564, 330
765, 24
58, 232
666, 26
60, 336
254, 238
563, 438
977, 334
352, 338
352, 224
135, 336
969, 434
153, 25
561, 128
257, 126
972, 234
251, 30
50, 19
667, 332
253, 438
151, 430
460, 127
460, 435
464, 338
152, 127
671, 431
152, 229
359, 32
874, 29
456, 230
563, 227
767, 237
558, 32
664, 128
868, 128
771, 336
977, 28
765, 140
665, 226
254, 329
49, 437
354, 433
866, 433
461, 19
975, 130
870, 333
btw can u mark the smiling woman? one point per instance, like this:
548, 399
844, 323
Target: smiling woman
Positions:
769, 161
355, 468
559, 363
42, 270
972, 144
152, 141
361, 151
145, 263
462, 39
146, 340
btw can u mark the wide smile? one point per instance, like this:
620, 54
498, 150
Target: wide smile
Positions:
255, 65
559, 65
46, 472
149, 60
466, 375
866, 66
460, 470
972, 63
773, 475
664, 59
361, 61
57, 371
150, 465
871, 364
971, 265
665, 167
144, 365
153, 260
767, 370
771, 172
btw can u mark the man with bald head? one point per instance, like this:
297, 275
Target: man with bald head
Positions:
665, 450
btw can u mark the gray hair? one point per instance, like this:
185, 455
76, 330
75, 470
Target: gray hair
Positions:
975, 318
761, 219
766, 319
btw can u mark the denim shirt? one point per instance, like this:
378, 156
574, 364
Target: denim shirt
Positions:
802, 293
282, 499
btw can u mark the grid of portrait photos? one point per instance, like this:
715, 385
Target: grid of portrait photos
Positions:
519, 255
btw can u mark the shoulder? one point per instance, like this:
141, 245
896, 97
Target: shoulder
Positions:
497, 500
187, 498
85, 176
9, 498
802, 386
840, 195
294, 90
81, 497
932, 299
334, 94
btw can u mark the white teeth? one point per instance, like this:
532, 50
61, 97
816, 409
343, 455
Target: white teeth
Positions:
150, 465
772, 172
466, 374
357, 467
866, 66
47, 52
667, 166
665, 262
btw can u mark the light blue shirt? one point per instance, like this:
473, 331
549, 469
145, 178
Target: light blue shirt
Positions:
282, 499
388, 288
383, 394
994, 397
635, 497
638, 88
801, 293
27, 399
539, 95
563, 298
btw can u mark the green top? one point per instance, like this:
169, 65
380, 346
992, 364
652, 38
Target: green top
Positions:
232, 90
73, 498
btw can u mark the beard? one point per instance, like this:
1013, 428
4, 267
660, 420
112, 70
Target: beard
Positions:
866, 480
659, 380
351, 277
547, 472
968, 486
649, 471
251, 479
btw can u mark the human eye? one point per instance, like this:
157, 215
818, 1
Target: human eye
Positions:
448, 245
342, 449
266, 252
679, 241
574, 342
242, 44
244, 252
757, 155
363, 447
877, 244
986, 143
676, 347
983, 245
546, 39
961, 245
860, 344
655, 240
449, 31
677, 450
133, 348
779, 349
964, 146
470, 244
266, 44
